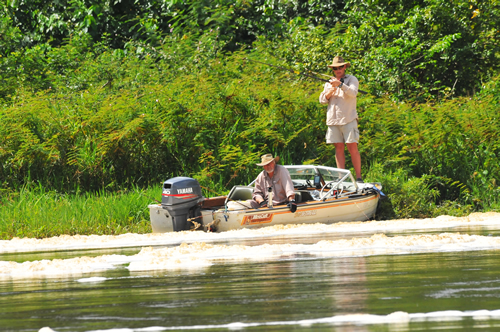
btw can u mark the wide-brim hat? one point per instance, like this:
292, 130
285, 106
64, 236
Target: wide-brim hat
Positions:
267, 158
339, 61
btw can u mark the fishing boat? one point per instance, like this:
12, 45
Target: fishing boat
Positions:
323, 195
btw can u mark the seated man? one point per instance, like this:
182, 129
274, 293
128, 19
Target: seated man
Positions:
278, 179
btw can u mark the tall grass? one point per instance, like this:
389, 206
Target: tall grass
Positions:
37, 212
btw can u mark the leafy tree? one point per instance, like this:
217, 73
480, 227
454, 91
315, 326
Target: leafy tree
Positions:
418, 49
425, 47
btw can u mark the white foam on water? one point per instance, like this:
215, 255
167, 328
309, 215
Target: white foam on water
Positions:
60, 267
399, 318
92, 279
199, 255
79, 242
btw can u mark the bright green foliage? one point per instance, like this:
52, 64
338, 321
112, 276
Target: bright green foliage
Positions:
114, 119
36, 212
456, 141
410, 196
406, 196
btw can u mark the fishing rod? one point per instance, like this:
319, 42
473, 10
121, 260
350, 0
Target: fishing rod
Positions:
300, 73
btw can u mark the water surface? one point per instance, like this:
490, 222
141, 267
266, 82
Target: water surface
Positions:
407, 275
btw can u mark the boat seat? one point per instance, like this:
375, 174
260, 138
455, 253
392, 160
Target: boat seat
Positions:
298, 197
240, 193
303, 196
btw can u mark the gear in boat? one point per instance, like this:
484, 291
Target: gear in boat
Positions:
323, 194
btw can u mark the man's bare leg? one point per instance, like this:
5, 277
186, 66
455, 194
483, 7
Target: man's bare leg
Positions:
356, 158
340, 155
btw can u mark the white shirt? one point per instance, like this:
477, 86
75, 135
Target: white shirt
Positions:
342, 104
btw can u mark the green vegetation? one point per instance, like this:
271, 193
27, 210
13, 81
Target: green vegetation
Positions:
36, 212
98, 102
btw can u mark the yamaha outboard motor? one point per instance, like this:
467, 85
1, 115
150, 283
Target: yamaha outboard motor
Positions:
180, 197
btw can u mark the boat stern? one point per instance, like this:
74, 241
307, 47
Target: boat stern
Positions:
161, 221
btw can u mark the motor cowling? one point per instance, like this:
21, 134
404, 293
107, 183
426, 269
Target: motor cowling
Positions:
180, 198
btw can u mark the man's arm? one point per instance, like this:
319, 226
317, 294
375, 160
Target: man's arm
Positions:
351, 90
328, 91
290, 192
258, 193
289, 189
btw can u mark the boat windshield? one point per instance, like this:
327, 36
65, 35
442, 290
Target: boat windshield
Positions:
319, 176
312, 176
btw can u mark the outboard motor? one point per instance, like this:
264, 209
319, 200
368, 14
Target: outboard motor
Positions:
180, 197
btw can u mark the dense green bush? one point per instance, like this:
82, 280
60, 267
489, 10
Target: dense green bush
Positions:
456, 141
112, 119
92, 101
412, 197
116, 119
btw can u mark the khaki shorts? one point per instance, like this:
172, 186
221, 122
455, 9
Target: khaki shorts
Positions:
347, 133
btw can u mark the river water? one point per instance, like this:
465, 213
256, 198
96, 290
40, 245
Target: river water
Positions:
398, 275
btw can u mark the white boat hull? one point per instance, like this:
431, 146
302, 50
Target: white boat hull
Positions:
337, 199
322, 212
331, 211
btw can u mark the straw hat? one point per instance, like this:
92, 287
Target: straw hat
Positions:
339, 61
267, 158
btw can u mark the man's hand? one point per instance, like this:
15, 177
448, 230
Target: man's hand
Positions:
292, 206
263, 203
335, 82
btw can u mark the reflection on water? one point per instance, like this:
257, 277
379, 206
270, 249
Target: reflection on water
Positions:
426, 279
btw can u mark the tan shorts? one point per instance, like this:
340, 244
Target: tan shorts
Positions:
347, 133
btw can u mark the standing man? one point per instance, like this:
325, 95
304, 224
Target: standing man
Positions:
341, 115
278, 179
